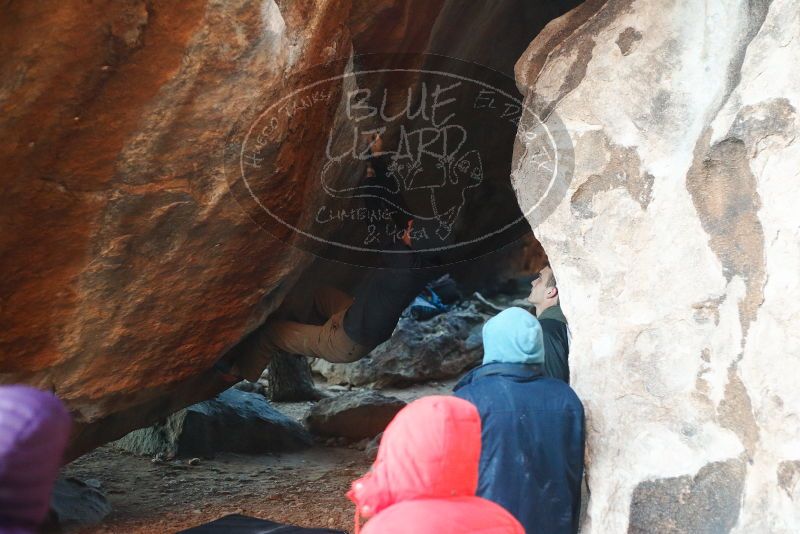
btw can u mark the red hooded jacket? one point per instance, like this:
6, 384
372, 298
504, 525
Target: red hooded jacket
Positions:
426, 473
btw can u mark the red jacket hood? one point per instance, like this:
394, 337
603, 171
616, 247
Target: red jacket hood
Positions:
431, 449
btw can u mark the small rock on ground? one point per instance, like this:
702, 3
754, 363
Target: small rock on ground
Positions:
353, 415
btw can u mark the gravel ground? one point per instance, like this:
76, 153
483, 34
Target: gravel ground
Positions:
305, 488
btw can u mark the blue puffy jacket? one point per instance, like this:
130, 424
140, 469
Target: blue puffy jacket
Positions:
532, 444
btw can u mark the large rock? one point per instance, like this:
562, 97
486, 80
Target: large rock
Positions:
353, 415
676, 251
235, 421
129, 266
75, 502
418, 351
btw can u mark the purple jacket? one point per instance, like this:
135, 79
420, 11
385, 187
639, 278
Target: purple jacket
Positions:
34, 428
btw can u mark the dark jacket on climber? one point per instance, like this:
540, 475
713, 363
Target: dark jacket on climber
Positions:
532, 427
381, 297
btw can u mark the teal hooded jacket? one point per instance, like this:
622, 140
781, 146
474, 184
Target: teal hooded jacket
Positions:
532, 427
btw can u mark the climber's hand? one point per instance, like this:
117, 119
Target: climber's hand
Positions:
377, 144
407, 233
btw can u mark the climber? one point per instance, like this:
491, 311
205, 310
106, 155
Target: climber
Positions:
532, 427
353, 324
34, 428
424, 478
555, 329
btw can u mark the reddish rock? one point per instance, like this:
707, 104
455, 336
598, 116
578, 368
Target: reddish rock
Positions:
128, 266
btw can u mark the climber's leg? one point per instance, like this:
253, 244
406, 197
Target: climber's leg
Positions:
336, 346
294, 337
251, 356
328, 341
328, 300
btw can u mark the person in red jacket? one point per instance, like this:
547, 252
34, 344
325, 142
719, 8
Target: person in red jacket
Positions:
426, 473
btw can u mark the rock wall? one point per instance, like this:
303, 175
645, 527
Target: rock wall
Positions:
128, 266
676, 250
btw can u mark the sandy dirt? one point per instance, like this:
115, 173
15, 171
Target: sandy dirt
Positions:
305, 488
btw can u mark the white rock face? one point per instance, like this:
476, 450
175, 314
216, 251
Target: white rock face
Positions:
677, 252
